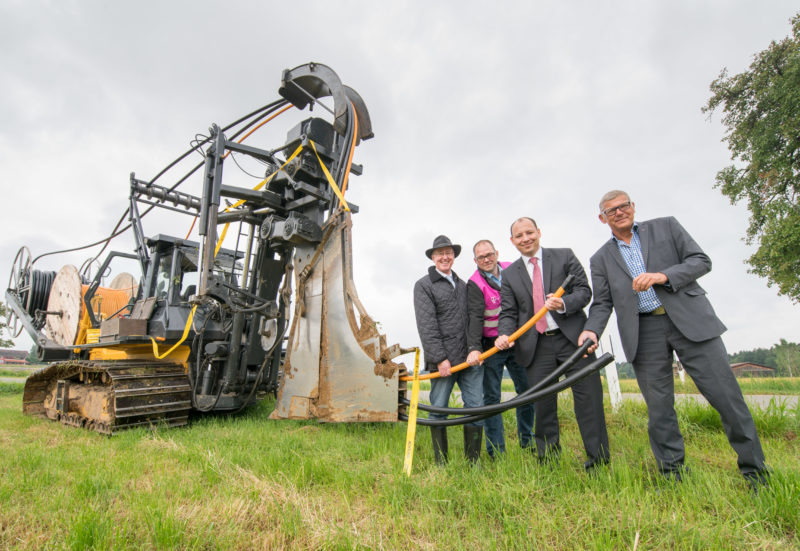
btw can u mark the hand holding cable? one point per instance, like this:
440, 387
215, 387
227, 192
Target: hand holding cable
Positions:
513, 337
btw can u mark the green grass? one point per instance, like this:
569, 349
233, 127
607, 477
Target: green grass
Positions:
11, 388
247, 482
789, 386
13, 373
785, 386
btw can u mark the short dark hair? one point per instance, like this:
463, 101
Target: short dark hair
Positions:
481, 242
520, 219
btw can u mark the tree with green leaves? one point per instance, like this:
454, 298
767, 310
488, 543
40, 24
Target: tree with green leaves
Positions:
787, 355
4, 343
761, 113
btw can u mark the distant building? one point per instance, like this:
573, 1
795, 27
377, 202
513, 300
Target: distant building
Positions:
16, 357
749, 369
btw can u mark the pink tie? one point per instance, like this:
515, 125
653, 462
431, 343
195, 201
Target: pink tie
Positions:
538, 295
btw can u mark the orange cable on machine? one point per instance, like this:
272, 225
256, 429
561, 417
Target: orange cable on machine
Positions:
494, 350
260, 125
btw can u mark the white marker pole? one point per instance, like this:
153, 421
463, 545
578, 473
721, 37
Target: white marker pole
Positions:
614, 393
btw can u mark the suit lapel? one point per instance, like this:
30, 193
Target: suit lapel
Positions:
522, 273
613, 249
644, 240
547, 270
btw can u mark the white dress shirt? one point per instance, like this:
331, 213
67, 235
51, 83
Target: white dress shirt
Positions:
551, 323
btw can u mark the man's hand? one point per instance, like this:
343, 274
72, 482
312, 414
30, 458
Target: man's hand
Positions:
644, 281
474, 358
588, 335
554, 303
502, 342
444, 368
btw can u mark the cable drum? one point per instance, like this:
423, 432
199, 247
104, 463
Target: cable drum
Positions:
37, 286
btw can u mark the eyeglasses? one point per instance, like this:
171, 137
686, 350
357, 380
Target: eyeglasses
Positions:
486, 256
613, 210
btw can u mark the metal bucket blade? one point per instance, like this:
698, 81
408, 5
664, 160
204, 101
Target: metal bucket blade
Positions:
338, 367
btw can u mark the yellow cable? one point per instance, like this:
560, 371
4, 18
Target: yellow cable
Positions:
334, 187
177, 344
216, 250
241, 202
411, 432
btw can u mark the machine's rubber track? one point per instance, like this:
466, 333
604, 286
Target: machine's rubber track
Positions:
110, 395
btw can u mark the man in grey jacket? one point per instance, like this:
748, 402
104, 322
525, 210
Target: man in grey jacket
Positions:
440, 306
647, 272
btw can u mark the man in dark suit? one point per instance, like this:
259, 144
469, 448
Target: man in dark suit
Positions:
647, 272
528, 285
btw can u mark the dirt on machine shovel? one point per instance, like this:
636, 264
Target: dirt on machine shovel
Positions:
337, 367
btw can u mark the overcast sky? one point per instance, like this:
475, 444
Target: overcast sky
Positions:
482, 113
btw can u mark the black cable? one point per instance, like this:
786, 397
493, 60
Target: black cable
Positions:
502, 406
599, 363
269, 108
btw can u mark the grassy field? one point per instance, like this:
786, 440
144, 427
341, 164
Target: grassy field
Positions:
787, 386
247, 482
12, 372
754, 385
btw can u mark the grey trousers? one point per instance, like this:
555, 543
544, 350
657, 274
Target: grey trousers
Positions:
707, 364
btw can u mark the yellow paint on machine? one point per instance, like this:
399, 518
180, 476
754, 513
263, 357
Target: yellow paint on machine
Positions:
142, 351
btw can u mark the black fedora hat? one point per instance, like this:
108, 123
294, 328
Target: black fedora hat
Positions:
440, 242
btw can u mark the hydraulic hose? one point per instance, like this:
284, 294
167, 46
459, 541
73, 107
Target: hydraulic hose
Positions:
502, 406
602, 361
261, 112
513, 337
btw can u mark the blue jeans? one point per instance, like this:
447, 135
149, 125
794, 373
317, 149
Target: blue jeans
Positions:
470, 382
492, 377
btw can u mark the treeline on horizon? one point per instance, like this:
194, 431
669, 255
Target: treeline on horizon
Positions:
783, 357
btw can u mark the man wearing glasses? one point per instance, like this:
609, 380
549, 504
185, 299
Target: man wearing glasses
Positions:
647, 273
440, 307
483, 296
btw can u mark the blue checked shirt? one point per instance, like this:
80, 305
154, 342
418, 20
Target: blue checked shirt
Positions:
632, 254
491, 276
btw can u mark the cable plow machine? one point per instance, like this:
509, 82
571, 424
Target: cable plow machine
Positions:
198, 327
204, 328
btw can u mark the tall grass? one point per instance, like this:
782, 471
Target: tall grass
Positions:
246, 482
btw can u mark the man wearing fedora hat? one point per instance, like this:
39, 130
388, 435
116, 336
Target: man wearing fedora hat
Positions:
440, 306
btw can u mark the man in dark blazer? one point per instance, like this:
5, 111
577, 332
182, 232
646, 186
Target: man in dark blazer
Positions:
647, 272
528, 284
440, 308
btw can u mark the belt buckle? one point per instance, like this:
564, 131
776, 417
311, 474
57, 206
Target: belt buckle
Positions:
660, 311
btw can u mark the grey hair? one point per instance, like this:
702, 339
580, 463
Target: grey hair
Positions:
475, 246
613, 194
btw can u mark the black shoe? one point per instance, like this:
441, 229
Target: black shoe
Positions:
757, 480
473, 440
439, 438
675, 475
593, 465
550, 459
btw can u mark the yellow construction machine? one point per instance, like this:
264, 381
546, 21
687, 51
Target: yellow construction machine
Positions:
205, 328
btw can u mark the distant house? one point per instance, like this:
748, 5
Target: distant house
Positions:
16, 357
749, 369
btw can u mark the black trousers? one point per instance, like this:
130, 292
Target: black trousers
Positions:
707, 364
587, 396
